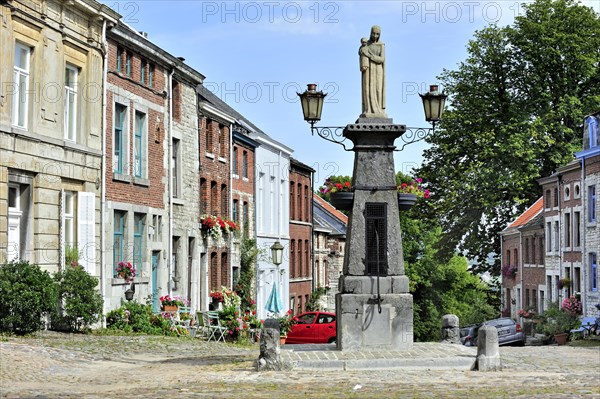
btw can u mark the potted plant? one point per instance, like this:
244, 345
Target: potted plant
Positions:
170, 304
564, 282
126, 271
556, 322
409, 191
286, 322
340, 192
217, 227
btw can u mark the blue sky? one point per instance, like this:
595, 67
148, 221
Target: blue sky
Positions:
257, 54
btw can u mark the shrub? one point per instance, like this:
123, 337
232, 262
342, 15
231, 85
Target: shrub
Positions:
135, 317
80, 304
27, 293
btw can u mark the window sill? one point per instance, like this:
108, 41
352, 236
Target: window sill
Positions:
178, 201
137, 280
209, 155
121, 177
245, 179
591, 224
233, 175
222, 160
140, 181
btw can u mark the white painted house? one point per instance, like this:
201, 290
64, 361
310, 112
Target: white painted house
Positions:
272, 219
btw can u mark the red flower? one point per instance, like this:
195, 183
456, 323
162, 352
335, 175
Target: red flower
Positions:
347, 184
339, 186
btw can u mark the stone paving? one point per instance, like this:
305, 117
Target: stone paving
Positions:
89, 366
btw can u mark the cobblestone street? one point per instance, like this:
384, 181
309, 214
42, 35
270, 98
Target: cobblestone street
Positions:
87, 366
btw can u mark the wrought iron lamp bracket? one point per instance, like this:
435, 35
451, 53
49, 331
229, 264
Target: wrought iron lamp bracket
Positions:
335, 134
414, 134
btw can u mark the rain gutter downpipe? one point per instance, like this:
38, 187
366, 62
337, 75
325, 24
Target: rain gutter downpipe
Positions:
170, 182
103, 272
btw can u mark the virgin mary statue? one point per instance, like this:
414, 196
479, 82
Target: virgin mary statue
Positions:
372, 65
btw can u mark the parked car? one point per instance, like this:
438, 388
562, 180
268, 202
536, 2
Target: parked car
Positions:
509, 331
313, 328
468, 335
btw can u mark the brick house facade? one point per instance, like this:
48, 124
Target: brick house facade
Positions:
242, 191
151, 185
523, 276
301, 245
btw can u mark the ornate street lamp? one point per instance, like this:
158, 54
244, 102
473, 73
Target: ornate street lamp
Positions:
312, 107
277, 253
312, 104
433, 104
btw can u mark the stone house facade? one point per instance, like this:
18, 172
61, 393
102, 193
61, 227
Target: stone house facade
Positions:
301, 243
590, 214
569, 241
51, 130
329, 237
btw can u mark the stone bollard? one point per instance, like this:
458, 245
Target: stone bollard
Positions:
270, 352
450, 329
488, 352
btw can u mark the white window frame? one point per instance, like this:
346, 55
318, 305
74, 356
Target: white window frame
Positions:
140, 154
21, 94
125, 140
71, 107
592, 203
69, 218
79, 210
176, 167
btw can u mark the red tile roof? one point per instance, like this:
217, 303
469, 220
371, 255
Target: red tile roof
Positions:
529, 214
330, 208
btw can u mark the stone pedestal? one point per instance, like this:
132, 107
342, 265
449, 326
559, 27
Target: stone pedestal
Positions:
450, 329
374, 309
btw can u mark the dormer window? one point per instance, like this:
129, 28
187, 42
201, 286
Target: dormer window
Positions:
590, 132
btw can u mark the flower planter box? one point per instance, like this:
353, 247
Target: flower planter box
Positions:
406, 201
170, 308
342, 200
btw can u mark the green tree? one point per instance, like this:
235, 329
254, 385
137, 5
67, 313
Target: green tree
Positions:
439, 287
515, 106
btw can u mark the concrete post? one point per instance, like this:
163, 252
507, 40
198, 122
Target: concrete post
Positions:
488, 352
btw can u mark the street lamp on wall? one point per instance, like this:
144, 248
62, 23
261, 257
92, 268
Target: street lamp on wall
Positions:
277, 253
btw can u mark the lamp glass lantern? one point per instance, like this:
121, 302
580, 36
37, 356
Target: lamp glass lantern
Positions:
277, 253
433, 104
312, 103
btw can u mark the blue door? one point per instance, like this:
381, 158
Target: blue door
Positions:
155, 301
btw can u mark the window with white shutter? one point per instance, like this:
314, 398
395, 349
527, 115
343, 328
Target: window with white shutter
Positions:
86, 229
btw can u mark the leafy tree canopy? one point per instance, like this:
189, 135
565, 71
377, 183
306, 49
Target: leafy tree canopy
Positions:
516, 105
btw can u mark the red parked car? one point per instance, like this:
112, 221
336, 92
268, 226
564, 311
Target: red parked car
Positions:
313, 328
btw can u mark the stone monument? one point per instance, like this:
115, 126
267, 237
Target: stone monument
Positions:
374, 308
